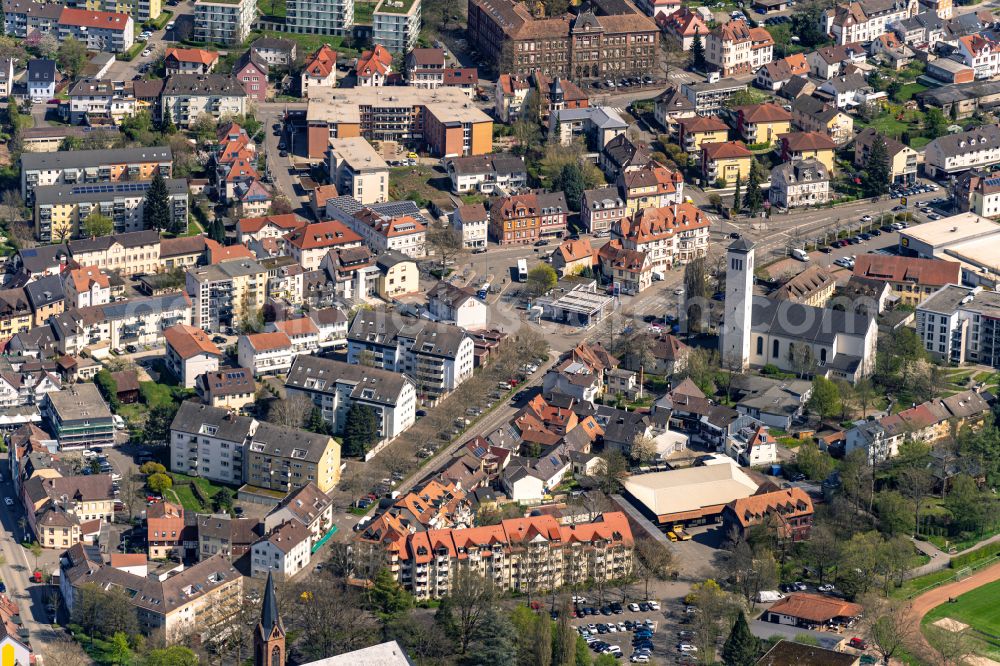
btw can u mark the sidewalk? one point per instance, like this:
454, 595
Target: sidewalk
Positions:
940, 559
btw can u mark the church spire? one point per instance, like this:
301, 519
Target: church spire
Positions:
269, 639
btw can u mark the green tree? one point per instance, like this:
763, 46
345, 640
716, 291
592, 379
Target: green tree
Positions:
541, 279
582, 653
217, 230
156, 207
895, 513
892, 89
223, 499
72, 56
966, 503
825, 398
360, 430
159, 482
157, 428
175, 655
698, 61
741, 648
571, 182
815, 464
496, 642
167, 125
108, 387
876, 173
935, 124
806, 25
738, 195
753, 200
317, 423
97, 225
120, 651
388, 597
542, 640
152, 467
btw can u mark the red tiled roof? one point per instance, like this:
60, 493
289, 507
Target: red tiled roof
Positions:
200, 56
929, 272
84, 18
321, 63
251, 225
188, 341
815, 608
322, 234
269, 341
725, 149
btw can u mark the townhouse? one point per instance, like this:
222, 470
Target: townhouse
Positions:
199, 601
801, 183
85, 286
520, 554
223, 21
358, 170
436, 357
225, 294
92, 166
670, 235
130, 253
620, 154
670, 107
630, 271
525, 218
334, 387
61, 211
187, 96
283, 552
165, 531
99, 31
736, 48
302, 332
189, 61
307, 505
250, 70
225, 447
100, 329
47, 297
397, 275
381, 233
319, 71
425, 67
601, 209
62, 510
651, 185
189, 353
309, 244
487, 174
955, 153
15, 311
396, 24
472, 223
270, 226
511, 92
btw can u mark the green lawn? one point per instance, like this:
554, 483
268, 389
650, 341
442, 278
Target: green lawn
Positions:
307, 43
272, 7
915, 586
363, 12
980, 610
909, 90
186, 498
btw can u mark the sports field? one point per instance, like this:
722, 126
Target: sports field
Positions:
980, 609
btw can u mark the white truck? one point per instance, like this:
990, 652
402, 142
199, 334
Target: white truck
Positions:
768, 596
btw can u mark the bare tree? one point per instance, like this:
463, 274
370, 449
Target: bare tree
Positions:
446, 242
291, 412
65, 652
329, 620
643, 449
916, 484
888, 624
952, 646
655, 560
472, 597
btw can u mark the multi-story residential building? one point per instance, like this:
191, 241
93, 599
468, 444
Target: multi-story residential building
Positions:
955, 153
443, 120
437, 357
651, 185
425, 68
683, 24
670, 236
271, 226
309, 506
827, 62
100, 31
358, 170
140, 10
608, 40
487, 174
752, 446
130, 253
801, 183
223, 21
774, 75
597, 126
524, 218
165, 531
309, 244
864, 21
6, 76
396, 24
224, 294
902, 158
302, 332
86, 286
61, 509
199, 601
250, 70
978, 191
511, 93
319, 17
601, 208
190, 61
91, 100
810, 114
912, 279
761, 123
334, 387
710, 97
78, 417
788, 513
283, 552
736, 48
15, 311
222, 446
23, 17
472, 222
265, 353
137, 321
696, 130
189, 353
519, 554
319, 70
373, 67
672, 106
187, 96
725, 162
62, 210
47, 297
92, 166
796, 146
232, 388
381, 232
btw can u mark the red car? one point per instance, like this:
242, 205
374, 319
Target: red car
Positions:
858, 643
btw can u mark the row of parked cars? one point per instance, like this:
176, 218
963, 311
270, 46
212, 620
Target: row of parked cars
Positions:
642, 640
625, 82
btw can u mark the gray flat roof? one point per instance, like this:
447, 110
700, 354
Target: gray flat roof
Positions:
95, 192
79, 159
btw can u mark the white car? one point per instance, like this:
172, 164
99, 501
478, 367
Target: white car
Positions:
687, 647
655, 605
146, 53
169, 26
679, 291
634, 608
826, 587
8, 501
612, 628
143, 38
866, 218
639, 659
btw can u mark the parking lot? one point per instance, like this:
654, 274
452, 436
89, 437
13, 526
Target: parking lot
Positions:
634, 631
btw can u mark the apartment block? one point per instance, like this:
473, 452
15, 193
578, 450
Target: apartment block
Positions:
334, 387
961, 324
92, 166
99, 329
436, 357
953, 153
187, 96
22, 17
78, 417
100, 31
223, 294
443, 120
61, 210
736, 48
319, 17
396, 24
223, 21
519, 554
670, 236
93, 100
282, 459
358, 170
128, 253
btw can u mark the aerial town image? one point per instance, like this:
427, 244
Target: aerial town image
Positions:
500, 332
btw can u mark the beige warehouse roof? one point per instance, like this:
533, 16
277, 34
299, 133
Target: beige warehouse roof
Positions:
690, 489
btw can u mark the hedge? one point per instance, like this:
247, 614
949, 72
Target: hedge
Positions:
977, 555
159, 21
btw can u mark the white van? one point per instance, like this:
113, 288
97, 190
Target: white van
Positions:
801, 255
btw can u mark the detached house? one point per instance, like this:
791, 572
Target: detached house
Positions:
774, 75
189, 61
190, 353
736, 48
373, 67
320, 70
762, 123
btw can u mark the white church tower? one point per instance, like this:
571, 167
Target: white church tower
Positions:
734, 343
